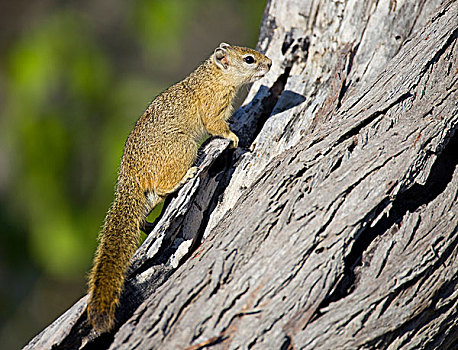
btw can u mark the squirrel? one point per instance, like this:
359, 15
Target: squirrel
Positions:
158, 158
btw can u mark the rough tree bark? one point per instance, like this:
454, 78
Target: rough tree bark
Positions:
336, 226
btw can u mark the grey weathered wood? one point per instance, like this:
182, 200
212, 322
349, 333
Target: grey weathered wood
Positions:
337, 226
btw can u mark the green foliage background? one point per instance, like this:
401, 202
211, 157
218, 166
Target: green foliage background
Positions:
74, 77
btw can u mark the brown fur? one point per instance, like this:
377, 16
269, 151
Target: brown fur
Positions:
157, 159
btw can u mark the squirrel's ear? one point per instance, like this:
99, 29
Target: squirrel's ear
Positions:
224, 45
221, 58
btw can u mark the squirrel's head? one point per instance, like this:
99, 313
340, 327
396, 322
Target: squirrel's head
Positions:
242, 64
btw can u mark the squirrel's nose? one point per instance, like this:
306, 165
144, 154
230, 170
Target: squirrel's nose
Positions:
269, 63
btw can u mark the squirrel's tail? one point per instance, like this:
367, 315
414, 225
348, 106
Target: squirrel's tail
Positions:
118, 242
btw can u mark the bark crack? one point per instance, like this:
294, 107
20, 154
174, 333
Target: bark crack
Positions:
435, 304
169, 323
365, 122
410, 200
232, 303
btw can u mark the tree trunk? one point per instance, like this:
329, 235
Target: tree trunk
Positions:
336, 226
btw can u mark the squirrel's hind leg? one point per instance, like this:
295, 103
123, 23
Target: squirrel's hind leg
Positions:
189, 175
192, 171
147, 226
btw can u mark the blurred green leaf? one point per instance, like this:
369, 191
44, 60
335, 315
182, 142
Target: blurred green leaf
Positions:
58, 78
160, 25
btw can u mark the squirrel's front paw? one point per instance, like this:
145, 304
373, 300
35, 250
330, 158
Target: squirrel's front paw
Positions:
235, 140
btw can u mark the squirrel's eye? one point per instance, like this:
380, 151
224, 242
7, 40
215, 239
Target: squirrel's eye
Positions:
249, 59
